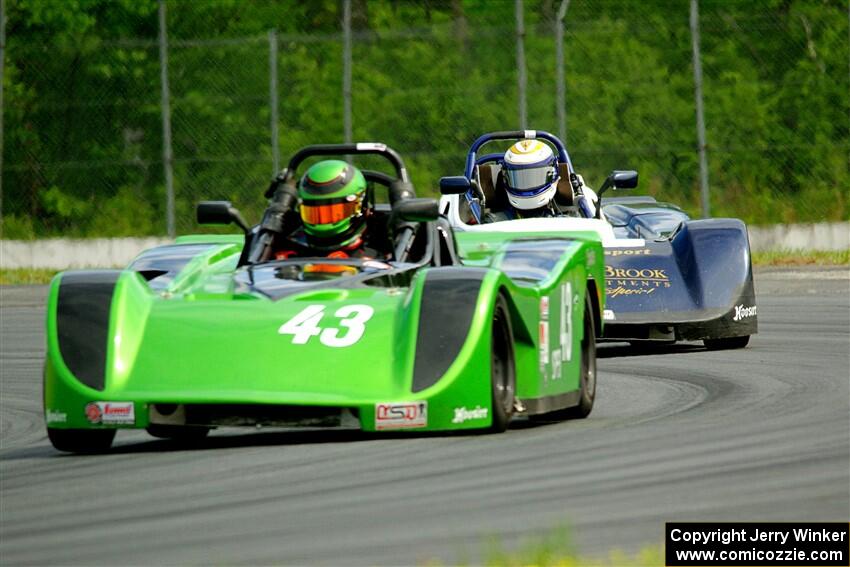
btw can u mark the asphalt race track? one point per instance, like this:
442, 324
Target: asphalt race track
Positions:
756, 434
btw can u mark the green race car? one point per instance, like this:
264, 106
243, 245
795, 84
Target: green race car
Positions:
214, 331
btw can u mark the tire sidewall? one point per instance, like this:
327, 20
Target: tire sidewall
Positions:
588, 361
502, 403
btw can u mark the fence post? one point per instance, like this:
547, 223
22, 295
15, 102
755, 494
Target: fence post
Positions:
346, 70
520, 63
559, 56
167, 155
703, 160
2, 71
273, 105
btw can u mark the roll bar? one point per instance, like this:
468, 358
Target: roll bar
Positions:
471, 157
359, 148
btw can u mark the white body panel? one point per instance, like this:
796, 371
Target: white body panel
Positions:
449, 207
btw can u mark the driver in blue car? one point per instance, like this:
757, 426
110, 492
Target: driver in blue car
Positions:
335, 213
529, 178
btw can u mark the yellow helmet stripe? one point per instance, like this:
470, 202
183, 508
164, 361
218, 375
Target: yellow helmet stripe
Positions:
526, 146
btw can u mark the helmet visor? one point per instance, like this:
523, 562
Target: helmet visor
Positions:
530, 179
329, 213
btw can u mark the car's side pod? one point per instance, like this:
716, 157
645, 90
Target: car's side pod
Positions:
714, 254
449, 299
83, 306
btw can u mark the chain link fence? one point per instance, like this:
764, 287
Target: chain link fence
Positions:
83, 128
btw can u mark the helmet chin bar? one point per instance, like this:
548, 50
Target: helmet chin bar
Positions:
551, 181
528, 203
332, 242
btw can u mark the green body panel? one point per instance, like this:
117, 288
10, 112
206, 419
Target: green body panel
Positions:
204, 339
538, 373
211, 238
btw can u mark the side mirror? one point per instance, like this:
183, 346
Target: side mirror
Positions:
417, 210
220, 212
454, 185
625, 179
619, 179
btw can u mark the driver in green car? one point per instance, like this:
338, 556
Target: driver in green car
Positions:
335, 213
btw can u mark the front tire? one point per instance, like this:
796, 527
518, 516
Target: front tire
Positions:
502, 369
727, 343
81, 440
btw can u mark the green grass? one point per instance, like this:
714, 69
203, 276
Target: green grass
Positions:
554, 548
26, 276
800, 258
647, 557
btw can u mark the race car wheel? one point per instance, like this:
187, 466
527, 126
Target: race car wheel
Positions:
727, 343
587, 378
502, 371
81, 440
180, 433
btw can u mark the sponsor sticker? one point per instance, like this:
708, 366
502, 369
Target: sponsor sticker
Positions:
462, 414
608, 315
93, 413
111, 412
54, 416
544, 307
566, 327
543, 343
401, 415
742, 312
628, 252
634, 281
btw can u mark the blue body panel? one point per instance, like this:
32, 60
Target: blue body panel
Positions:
691, 280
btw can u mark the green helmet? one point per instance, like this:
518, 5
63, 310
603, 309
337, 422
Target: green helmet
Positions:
332, 194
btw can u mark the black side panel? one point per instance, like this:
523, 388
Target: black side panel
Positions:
82, 322
537, 406
449, 297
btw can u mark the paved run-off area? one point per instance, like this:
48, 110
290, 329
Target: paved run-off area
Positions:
756, 434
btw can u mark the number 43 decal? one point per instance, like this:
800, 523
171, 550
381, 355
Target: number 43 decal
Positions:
305, 325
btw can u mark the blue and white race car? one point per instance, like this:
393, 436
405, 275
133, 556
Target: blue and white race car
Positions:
667, 278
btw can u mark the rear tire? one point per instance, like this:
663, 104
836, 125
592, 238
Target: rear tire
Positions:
502, 370
587, 387
727, 343
180, 433
81, 440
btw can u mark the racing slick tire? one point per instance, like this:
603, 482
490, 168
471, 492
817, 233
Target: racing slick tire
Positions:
727, 343
502, 369
179, 433
81, 440
587, 378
